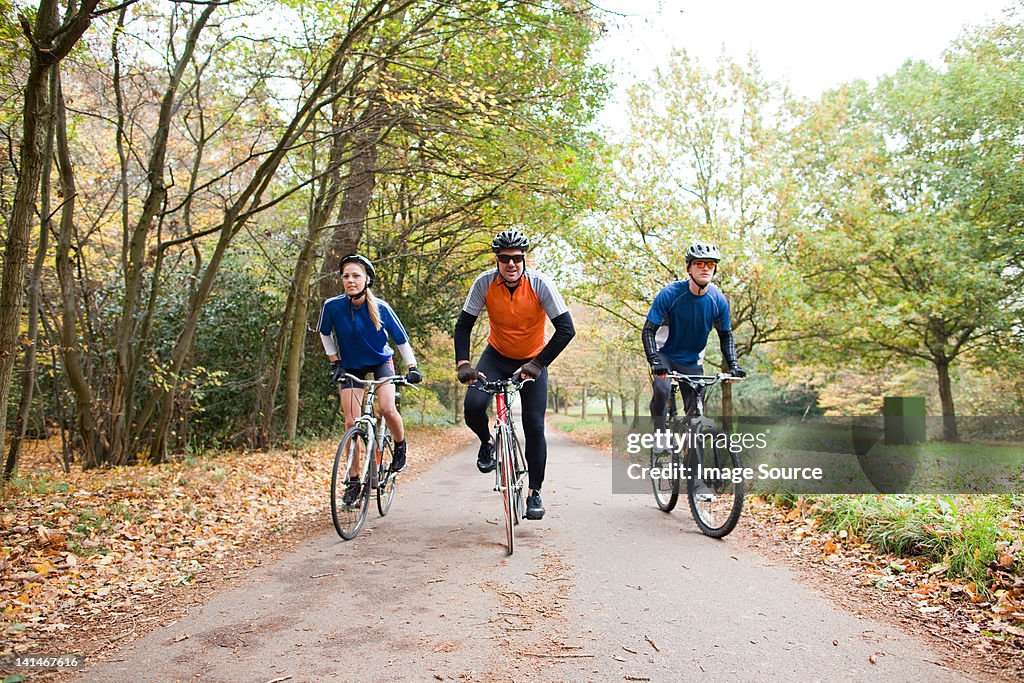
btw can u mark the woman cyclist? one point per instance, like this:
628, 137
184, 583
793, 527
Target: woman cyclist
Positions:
354, 328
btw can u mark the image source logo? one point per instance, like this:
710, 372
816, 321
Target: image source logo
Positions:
817, 456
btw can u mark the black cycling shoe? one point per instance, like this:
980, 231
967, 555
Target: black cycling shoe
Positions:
534, 506
352, 491
485, 458
398, 461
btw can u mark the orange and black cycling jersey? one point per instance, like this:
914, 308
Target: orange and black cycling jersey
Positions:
517, 316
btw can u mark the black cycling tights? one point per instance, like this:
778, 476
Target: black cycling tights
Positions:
534, 397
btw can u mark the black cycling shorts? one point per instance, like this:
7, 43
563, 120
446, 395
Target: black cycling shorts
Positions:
385, 369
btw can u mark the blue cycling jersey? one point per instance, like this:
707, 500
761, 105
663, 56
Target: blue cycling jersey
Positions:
689, 320
360, 344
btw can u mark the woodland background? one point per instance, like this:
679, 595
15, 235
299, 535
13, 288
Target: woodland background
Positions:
179, 179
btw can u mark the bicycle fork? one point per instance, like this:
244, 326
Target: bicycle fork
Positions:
501, 434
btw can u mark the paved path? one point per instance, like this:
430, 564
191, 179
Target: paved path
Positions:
605, 588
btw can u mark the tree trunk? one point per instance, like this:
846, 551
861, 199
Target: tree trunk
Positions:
297, 338
949, 429
58, 398
583, 404
28, 377
321, 209
70, 348
727, 409
457, 395
33, 142
355, 203
266, 401
50, 44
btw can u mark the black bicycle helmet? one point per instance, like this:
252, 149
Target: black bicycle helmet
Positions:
703, 250
510, 239
371, 274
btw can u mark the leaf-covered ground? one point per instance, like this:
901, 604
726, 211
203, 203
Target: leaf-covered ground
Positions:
89, 559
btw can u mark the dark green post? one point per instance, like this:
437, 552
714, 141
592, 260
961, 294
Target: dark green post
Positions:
904, 419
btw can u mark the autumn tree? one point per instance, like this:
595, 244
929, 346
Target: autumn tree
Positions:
909, 230
454, 142
49, 40
203, 154
697, 164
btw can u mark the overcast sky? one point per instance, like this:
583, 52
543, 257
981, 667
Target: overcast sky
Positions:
810, 44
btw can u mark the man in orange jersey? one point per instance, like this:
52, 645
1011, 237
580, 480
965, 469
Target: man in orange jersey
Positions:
518, 304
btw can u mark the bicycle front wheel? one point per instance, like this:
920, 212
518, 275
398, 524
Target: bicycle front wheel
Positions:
715, 488
349, 517
506, 483
387, 479
520, 479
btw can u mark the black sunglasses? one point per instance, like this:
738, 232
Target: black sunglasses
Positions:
511, 258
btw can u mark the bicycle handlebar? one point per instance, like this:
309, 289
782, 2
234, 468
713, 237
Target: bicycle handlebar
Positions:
393, 379
512, 384
706, 380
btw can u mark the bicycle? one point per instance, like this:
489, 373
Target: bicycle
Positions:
511, 474
368, 429
708, 465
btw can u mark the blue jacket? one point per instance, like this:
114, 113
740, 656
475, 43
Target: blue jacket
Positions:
689, 320
360, 344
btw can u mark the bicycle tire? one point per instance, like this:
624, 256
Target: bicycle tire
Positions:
715, 502
349, 519
520, 478
507, 487
666, 490
386, 479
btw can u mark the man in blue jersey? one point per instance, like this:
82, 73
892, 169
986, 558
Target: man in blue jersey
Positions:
687, 311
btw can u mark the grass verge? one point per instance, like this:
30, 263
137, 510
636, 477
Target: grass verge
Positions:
594, 432
974, 538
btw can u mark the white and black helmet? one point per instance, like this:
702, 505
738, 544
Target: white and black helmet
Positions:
510, 239
703, 250
371, 273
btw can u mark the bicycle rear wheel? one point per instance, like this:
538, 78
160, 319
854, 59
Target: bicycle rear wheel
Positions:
716, 498
349, 519
666, 489
507, 486
387, 479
